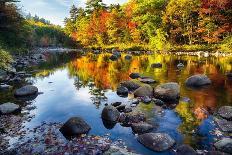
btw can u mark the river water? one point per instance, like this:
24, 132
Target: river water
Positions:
82, 85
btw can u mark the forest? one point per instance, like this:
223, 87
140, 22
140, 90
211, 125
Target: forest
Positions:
153, 24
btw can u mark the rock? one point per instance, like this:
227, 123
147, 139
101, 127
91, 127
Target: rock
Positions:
134, 75
167, 92
180, 66
224, 125
135, 101
229, 75
146, 99
158, 102
225, 112
115, 104
115, 150
8, 108
26, 91
122, 91
216, 153
198, 81
129, 118
110, 113
128, 57
3, 75
185, 150
113, 57
145, 90
156, 65
127, 110
141, 127
147, 80
156, 141
224, 145
5, 87
121, 107
75, 126
131, 85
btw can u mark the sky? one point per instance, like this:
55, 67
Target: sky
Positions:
55, 10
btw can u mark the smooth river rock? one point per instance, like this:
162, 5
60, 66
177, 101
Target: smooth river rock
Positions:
8, 108
75, 126
110, 113
156, 141
167, 92
185, 150
134, 75
145, 90
131, 85
198, 81
225, 112
122, 91
26, 91
224, 145
141, 127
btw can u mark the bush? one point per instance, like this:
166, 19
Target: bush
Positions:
5, 59
226, 45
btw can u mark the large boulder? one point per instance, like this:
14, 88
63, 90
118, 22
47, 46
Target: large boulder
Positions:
156, 141
26, 91
224, 145
141, 127
110, 113
134, 75
225, 112
122, 91
167, 92
185, 150
145, 90
198, 81
131, 85
8, 108
75, 126
224, 125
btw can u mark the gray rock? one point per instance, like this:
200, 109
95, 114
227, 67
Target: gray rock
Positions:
156, 65
127, 110
167, 92
224, 125
147, 80
185, 150
115, 150
122, 91
146, 99
145, 90
110, 113
115, 104
141, 127
131, 85
225, 112
8, 108
156, 141
224, 145
134, 75
3, 75
75, 126
26, 91
128, 119
198, 81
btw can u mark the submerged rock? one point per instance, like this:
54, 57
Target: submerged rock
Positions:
122, 91
26, 90
131, 85
167, 92
75, 126
134, 75
156, 65
198, 81
110, 113
8, 108
185, 150
141, 127
225, 112
224, 145
145, 90
156, 141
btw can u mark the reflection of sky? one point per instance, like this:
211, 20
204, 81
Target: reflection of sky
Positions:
55, 10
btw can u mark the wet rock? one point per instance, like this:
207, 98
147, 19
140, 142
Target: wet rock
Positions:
108, 124
225, 112
26, 91
216, 153
224, 125
75, 126
122, 91
147, 80
115, 104
121, 107
224, 145
158, 102
5, 87
156, 65
110, 113
131, 85
180, 66
127, 119
127, 110
134, 75
141, 127
156, 141
145, 90
185, 150
198, 81
146, 99
8, 108
128, 57
167, 92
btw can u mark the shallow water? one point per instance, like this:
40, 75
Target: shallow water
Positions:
82, 86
